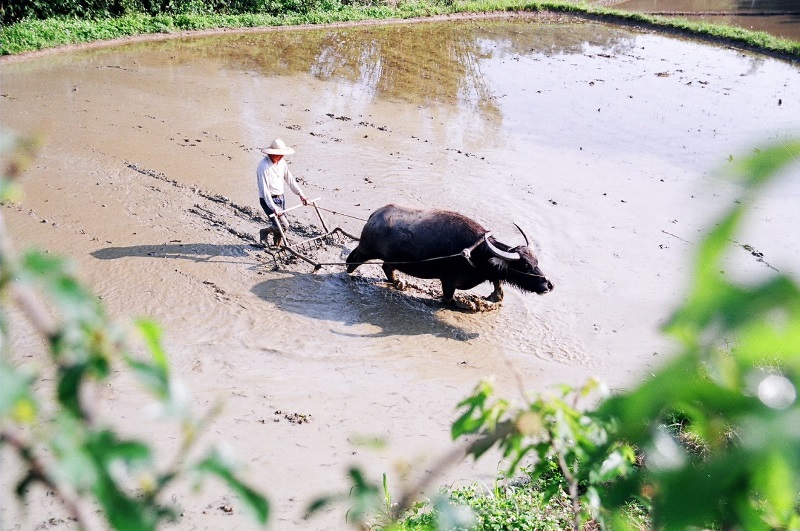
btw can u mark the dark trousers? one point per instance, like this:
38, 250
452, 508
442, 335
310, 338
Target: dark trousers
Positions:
280, 202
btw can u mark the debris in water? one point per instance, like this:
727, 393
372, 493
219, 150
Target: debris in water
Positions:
298, 418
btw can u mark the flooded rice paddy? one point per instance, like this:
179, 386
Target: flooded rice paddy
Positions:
776, 17
606, 145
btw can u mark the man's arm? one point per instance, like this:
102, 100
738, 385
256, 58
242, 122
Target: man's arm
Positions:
292, 182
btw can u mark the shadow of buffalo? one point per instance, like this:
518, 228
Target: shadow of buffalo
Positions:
331, 297
334, 297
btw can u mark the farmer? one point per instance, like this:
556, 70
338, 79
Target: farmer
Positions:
272, 172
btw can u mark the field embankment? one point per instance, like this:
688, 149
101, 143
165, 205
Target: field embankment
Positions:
31, 35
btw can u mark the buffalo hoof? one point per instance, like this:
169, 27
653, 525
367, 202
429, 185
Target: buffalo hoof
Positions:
400, 284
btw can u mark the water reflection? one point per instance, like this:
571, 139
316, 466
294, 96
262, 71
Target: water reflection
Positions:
419, 66
416, 63
777, 17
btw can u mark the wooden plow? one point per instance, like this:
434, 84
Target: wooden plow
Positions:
300, 249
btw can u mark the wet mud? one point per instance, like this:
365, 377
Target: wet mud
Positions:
606, 145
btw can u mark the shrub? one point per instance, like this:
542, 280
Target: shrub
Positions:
55, 431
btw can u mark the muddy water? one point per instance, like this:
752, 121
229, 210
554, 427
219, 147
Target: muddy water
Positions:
777, 17
602, 143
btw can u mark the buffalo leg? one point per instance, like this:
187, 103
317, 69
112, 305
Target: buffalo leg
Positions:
448, 290
391, 274
497, 294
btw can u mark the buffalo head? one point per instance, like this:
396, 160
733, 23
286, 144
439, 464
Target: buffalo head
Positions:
519, 267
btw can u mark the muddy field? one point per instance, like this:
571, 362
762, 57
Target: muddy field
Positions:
606, 145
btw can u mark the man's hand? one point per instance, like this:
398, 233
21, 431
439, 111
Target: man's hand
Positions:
304, 199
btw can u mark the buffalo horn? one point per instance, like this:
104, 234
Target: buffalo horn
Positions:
523, 234
501, 254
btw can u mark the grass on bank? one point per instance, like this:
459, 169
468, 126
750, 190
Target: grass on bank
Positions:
526, 505
33, 35
502, 508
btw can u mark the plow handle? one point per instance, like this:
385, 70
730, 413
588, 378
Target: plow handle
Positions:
310, 201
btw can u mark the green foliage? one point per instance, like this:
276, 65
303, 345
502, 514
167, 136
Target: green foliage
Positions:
55, 431
739, 371
223, 467
16, 10
513, 508
573, 455
522, 505
371, 507
363, 496
551, 430
505, 508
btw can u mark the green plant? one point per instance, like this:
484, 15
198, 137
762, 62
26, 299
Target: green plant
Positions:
523, 504
735, 383
553, 430
15, 10
372, 508
573, 460
56, 432
521, 507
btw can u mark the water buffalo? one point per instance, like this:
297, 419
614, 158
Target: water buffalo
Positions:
448, 246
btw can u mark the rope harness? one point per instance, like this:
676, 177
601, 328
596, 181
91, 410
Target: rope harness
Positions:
466, 253
340, 213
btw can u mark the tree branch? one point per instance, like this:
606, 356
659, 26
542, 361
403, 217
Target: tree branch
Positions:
38, 471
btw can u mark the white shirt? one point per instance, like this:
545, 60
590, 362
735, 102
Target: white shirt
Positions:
271, 176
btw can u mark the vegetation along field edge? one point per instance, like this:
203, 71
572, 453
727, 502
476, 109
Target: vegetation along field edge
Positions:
31, 35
